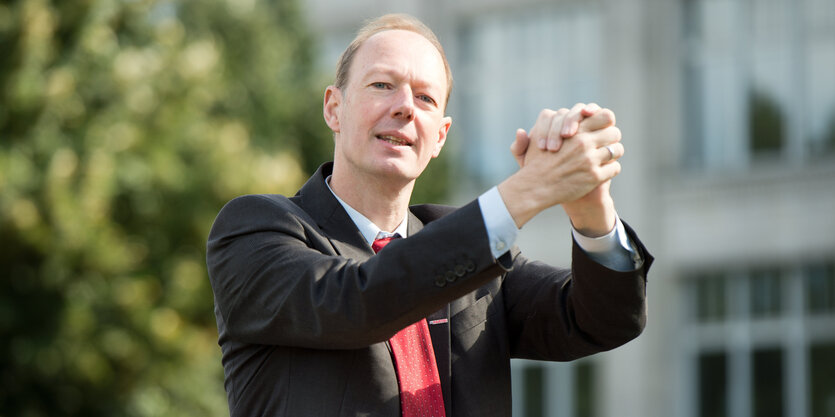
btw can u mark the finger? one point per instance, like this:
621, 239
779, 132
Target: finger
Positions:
603, 137
610, 153
590, 109
539, 131
520, 146
610, 170
572, 121
554, 138
600, 120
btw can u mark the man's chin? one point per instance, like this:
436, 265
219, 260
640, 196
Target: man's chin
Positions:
398, 171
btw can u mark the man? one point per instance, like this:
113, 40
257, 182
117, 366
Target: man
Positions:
313, 323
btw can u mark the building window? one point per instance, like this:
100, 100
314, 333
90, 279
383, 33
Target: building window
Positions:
713, 389
766, 124
765, 293
758, 81
534, 391
767, 378
555, 389
820, 288
584, 381
711, 298
761, 341
823, 383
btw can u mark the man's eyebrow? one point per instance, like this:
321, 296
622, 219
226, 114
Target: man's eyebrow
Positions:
377, 70
381, 71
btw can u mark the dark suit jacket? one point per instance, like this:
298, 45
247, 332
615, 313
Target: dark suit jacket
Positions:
304, 310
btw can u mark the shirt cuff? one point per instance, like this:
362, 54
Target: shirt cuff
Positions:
501, 229
613, 250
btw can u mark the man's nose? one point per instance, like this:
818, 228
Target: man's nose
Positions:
404, 104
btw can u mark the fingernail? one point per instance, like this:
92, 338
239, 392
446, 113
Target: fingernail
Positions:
542, 143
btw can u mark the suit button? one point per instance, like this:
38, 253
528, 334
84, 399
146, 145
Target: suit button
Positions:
440, 280
460, 270
450, 276
470, 266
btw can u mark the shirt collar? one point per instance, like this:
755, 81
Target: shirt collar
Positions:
369, 230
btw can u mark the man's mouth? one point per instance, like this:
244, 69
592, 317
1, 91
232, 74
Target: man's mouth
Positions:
393, 140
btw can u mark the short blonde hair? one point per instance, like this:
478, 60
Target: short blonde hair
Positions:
382, 24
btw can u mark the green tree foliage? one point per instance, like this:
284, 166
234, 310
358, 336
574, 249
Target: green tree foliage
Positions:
125, 125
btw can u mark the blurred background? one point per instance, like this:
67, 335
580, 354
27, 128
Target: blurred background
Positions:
125, 125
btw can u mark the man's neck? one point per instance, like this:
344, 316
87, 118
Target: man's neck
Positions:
381, 200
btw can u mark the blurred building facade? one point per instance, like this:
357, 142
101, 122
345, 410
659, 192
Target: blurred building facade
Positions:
728, 113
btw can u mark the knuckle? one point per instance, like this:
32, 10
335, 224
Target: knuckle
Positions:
613, 133
588, 164
593, 176
585, 140
602, 175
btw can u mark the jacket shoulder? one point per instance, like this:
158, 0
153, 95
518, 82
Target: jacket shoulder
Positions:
261, 201
256, 212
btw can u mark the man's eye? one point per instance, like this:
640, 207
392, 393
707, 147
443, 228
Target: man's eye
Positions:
381, 85
426, 98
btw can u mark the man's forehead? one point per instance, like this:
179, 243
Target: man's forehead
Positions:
389, 49
398, 34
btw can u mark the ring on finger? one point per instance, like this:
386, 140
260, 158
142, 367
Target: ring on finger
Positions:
611, 152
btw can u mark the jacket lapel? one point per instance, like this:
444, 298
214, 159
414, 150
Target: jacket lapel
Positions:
317, 200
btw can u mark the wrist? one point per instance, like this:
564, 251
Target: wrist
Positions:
592, 220
519, 198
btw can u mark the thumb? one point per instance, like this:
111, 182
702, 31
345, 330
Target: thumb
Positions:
520, 146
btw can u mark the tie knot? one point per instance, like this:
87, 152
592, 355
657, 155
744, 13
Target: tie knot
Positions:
381, 242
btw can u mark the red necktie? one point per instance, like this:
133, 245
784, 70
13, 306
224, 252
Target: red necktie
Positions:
417, 371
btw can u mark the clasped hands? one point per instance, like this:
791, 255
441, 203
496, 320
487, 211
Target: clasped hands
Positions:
568, 158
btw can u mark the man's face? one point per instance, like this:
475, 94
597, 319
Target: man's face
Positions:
388, 120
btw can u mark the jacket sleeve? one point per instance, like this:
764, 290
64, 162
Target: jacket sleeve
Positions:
562, 314
277, 279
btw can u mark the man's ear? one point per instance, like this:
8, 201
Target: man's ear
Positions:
446, 122
330, 107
